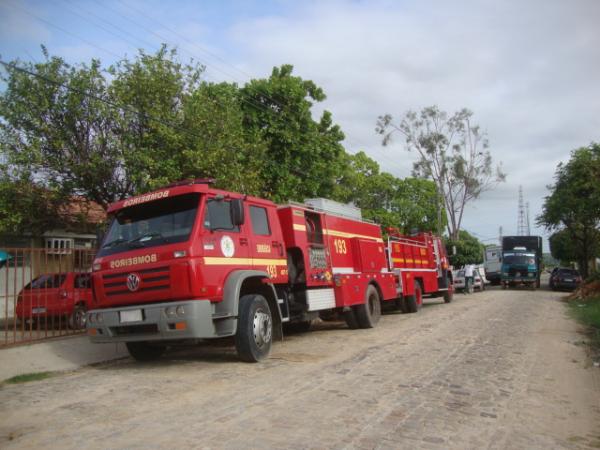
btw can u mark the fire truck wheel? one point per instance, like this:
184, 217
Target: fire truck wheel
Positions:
145, 351
414, 302
255, 328
448, 295
369, 313
350, 319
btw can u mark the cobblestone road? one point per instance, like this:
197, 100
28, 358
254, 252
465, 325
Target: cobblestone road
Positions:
497, 370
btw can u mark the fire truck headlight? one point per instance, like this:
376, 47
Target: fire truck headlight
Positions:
96, 266
170, 311
180, 310
179, 254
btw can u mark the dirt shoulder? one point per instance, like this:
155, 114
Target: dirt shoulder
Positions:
499, 369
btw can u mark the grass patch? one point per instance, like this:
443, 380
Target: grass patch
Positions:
588, 313
27, 377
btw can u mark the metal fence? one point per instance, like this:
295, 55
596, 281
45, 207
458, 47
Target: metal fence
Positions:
44, 293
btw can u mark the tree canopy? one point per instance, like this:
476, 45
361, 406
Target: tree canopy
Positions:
573, 207
469, 250
453, 152
107, 133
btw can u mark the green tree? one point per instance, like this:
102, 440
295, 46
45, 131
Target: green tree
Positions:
562, 247
453, 152
573, 206
406, 204
74, 130
303, 157
469, 250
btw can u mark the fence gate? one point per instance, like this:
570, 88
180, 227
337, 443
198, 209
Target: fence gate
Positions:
44, 293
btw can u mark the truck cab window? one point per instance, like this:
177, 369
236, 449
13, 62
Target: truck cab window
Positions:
218, 216
260, 221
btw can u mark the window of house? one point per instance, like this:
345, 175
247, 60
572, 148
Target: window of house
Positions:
59, 246
260, 221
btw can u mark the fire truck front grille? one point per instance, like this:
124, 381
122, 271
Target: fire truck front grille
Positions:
154, 279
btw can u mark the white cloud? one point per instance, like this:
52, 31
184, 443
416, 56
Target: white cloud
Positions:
527, 69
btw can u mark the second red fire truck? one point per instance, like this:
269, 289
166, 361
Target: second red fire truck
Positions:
191, 262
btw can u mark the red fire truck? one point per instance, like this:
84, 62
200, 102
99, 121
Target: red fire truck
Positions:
190, 262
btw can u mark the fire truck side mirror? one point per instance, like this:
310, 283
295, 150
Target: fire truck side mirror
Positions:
237, 211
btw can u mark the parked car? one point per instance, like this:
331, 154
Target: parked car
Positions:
565, 278
459, 281
52, 295
5, 258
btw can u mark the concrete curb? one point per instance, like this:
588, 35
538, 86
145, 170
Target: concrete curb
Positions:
57, 355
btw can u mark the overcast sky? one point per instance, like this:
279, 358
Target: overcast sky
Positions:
529, 70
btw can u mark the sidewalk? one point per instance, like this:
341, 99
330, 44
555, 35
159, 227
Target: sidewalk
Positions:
67, 353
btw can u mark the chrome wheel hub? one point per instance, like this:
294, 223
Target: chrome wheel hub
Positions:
261, 328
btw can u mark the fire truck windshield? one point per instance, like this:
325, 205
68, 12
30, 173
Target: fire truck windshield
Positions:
150, 224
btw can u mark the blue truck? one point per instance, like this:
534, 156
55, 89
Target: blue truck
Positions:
521, 261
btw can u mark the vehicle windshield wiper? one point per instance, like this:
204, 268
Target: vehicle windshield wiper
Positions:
139, 241
114, 242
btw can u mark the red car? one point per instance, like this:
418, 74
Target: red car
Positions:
67, 295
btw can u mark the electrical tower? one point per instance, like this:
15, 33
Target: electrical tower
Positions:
522, 221
528, 223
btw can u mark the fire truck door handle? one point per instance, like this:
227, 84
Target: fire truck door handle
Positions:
278, 245
243, 241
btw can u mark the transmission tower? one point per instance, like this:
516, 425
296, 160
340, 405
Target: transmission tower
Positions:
522, 221
528, 223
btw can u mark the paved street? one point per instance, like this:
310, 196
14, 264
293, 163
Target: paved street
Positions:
497, 370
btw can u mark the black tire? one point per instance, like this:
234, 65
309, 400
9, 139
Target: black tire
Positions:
369, 313
297, 327
350, 319
145, 351
78, 318
414, 302
255, 328
449, 295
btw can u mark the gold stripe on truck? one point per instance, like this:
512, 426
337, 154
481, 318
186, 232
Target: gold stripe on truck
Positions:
220, 261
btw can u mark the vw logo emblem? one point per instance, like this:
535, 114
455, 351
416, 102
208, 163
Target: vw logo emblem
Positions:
133, 282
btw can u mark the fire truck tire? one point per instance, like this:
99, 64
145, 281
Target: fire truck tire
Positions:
369, 313
350, 319
254, 334
145, 351
449, 295
414, 302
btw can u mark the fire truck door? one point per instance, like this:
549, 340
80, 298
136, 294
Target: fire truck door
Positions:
224, 244
266, 243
